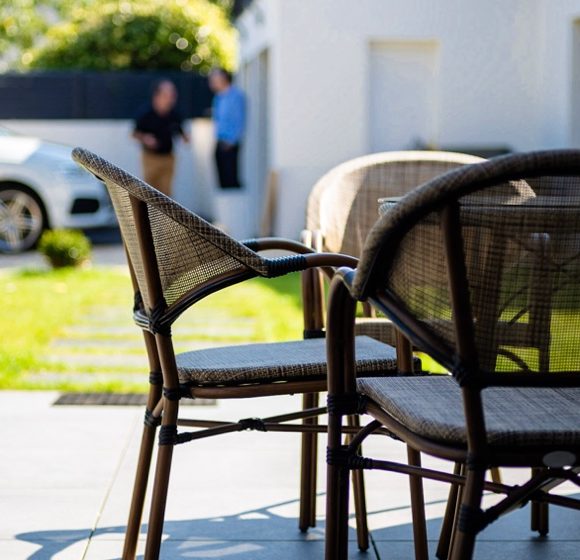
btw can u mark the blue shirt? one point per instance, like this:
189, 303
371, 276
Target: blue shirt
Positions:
229, 115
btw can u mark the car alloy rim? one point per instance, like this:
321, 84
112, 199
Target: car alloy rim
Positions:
20, 220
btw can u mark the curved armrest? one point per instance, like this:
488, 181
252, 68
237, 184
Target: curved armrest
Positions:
325, 260
282, 243
279, 266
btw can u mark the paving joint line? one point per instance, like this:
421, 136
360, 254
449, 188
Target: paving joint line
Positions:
109, 490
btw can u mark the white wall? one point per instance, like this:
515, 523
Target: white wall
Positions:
504, 77
556, 72
403, 121
112, 140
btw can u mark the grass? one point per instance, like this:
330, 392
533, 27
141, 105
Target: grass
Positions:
52, 319
72, 329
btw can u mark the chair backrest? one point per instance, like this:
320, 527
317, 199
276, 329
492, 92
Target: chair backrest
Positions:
174, 254
343, 204
503, 252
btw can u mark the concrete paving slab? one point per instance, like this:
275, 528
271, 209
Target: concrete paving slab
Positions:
41, 550
112, 359
224, 548
52, 448
68, 482
49, 514
486, 550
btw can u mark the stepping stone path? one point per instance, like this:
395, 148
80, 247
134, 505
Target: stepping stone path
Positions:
105, 345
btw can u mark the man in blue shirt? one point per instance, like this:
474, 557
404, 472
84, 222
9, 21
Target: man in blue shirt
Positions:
229, 115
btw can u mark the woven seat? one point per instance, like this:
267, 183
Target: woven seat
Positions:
432, 407
277, 362
480, 269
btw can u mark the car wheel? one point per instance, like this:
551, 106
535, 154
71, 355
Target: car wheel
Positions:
21, 220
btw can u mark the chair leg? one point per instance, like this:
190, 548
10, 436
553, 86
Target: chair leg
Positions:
418, 507
337, 490
158, 502
161, 482
360, 505
307, 516
458, 502
540, 514
314, 467
465, 532
139, 490
443, 547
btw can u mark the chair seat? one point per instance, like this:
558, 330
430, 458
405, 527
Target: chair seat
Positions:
277, 362
431, 406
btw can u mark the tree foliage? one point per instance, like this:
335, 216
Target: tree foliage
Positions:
128, 35
21, 21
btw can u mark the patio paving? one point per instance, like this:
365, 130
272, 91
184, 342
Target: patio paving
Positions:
66, 477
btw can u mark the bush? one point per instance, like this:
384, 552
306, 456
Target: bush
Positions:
139, 35
65, 247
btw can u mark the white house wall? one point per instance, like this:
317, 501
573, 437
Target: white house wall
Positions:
504, 78
555, 114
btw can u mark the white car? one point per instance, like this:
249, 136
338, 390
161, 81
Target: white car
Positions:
41, 187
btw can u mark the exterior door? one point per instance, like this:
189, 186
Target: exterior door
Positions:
402, 95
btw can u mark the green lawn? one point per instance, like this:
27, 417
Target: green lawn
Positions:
72, 329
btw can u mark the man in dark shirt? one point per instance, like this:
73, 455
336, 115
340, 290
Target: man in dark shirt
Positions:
155, 129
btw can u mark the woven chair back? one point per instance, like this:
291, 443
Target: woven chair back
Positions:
343, 204
186, 250
472, 256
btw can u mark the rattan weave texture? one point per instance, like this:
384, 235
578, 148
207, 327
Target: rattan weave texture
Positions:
189, 250
343, 204
431, 406
522, 258
277, 362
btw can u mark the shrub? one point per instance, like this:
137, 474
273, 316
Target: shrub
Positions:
139, 35
64, 247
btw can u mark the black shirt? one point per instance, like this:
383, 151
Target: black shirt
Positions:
163, 127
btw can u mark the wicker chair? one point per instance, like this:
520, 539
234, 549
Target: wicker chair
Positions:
482, 229
176, 259
343, 206
341, 210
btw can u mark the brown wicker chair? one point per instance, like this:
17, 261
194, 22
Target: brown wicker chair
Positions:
479, 227
176, 259
341, 210
343, 206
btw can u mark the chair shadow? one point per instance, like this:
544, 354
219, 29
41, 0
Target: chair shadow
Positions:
262, 534
253, 534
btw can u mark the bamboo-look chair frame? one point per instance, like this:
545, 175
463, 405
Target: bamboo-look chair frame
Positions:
341, 210
372, 282
155, 316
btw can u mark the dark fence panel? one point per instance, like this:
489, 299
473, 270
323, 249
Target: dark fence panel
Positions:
95, 95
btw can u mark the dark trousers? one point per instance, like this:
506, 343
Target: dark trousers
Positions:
226, 158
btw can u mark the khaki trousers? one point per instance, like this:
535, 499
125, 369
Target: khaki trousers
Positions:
158, 170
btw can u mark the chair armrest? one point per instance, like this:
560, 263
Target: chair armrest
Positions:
278, 267
281, 243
